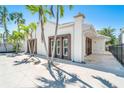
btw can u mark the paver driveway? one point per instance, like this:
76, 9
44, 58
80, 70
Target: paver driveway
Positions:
14, 75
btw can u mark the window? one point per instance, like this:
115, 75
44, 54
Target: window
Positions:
58, 47
65, 47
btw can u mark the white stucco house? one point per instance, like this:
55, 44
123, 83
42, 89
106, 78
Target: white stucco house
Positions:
75, 40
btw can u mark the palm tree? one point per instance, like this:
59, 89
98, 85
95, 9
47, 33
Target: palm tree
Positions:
109, 32
28, 31
17, 18
57, 14
33, 27
25, 30
4, 20
15, 38
42, 12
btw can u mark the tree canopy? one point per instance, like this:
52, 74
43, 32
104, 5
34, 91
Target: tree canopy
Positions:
110, 33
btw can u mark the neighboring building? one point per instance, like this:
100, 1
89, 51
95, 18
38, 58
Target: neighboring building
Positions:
121, 36
75, 40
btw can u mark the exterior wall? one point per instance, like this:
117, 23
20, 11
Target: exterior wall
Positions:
77, 31
49, 31
78, 40
76, 53
98, 46
9, 48
122, 38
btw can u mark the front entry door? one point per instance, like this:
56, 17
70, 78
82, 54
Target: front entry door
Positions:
88, 46
63, 46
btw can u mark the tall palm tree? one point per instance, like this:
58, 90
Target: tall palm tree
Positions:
57, 12
4, 20
42, 12
17, 18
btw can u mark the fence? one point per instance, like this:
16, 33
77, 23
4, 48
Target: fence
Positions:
118, 52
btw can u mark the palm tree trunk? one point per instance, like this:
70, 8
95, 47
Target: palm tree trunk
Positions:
29, 46
34, 46
18, 31
16, 47
55, 36
43, 37
5, 34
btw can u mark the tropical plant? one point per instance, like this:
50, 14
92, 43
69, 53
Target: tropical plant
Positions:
16, 40
28, 31
4, 18
58, 13
42, 12
110, 33
33, 27
17, 18
25, 30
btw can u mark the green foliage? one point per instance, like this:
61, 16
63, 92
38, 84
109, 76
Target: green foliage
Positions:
16, 38
33, 26
61, 9
17, 18
28, 30
4, 18
110, 33
42, 11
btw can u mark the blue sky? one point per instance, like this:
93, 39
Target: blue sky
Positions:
100, 16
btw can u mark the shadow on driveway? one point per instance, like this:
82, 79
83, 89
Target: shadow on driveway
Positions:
61, 78
105, 82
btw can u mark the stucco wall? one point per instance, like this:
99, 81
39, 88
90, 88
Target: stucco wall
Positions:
49, 31
78, 38
122, 39
98, 46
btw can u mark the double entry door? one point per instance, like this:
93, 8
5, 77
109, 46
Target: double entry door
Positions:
63, 46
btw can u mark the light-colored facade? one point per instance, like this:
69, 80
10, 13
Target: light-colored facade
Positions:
75, 40
121, 37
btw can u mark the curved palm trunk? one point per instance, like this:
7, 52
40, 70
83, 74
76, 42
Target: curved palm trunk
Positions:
55, 36
16, 47
34, 46
43, 38
17, 41
29, 46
